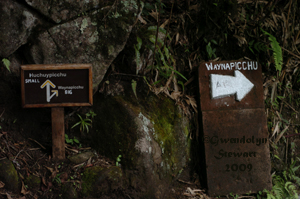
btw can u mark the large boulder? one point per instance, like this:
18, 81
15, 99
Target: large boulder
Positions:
63, 10
99, 181
16, 25
150, 134
96, 38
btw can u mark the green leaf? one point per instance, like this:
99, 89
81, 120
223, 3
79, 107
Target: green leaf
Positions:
139, 44
167, 53
277, 52
277, 157
152, 39
180, 74
154, 28
214, 41
6, 63
76, 124
76, 141
137, 59
80, 117
133, 86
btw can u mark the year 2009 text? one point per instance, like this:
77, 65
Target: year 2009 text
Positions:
241, 167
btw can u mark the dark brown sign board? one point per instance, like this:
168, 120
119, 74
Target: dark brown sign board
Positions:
56, 85
234, 127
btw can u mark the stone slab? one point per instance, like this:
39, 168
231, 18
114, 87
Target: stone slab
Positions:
237, 151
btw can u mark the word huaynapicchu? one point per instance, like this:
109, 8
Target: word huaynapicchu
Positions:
240, 65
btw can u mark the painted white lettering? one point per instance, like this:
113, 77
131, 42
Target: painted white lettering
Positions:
232, 65
250, 65
215, 67
237, 66
227, 66
209, 67
68, 92
244, 67
255, 66
223, 67
27, 81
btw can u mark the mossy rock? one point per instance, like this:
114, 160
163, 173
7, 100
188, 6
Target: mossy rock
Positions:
81, 157
9, 175
150, 133
69, 191
98, 181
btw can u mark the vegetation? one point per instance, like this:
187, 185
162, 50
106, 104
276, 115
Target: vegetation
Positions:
266, 31
85, 123
6, 63
172, 38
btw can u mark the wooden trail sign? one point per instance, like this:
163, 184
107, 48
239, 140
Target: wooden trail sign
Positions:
234, 127
56, 86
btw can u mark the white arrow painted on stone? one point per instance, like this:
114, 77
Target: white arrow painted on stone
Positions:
224, 85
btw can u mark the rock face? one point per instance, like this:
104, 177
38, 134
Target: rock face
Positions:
98, 181
150, 134
63, 10
97, 38
89, 31
16, 25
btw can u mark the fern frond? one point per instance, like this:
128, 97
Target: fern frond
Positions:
277, 52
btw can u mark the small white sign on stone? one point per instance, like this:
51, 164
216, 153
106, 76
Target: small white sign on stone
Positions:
224, 85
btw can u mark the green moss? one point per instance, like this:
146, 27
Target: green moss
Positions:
33, 182
89, 178
129, 3
94, 177
94, 37
9, 175
111, 50
83, 25
114, 134
166, 119
68, 190
117, 129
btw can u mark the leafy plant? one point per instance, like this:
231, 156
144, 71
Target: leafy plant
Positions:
86, 122
71, 141
57, 179
153, 6
90, 114
234, 196
257, 46
137, 48
277, 52
163, 62
133, 85
118, 160
284, 185
83, 123
6, 63
281, 189
211, 52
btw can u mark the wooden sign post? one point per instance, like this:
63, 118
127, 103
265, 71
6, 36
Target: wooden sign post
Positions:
56, 86
234, 127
